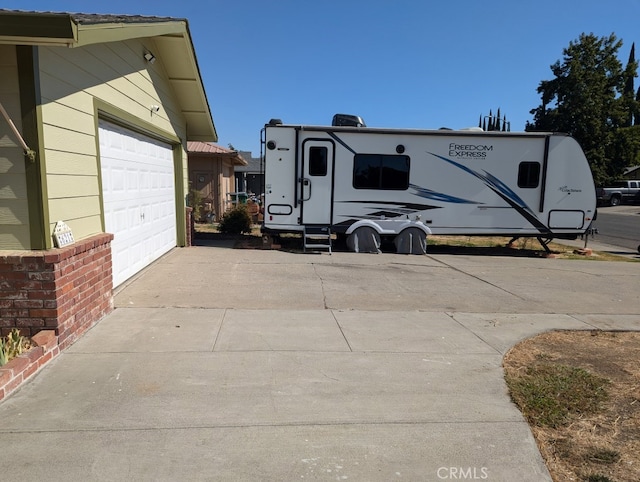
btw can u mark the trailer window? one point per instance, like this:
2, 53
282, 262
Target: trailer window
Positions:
529, 175
318, 161
379, 171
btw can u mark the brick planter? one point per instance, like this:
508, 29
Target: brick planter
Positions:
23, 367
66, 290
52, 296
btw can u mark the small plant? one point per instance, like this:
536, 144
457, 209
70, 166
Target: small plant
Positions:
13, 345
4, 355
549, 394
194, 200
236, 221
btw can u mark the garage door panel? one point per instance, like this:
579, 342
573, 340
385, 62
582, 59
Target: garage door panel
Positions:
139, 198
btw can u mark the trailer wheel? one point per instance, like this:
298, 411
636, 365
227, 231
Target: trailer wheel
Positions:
364, 239
411, 241
614, 201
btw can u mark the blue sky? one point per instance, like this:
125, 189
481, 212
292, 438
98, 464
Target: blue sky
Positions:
396, 63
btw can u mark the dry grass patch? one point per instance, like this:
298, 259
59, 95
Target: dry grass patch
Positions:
499, 245
580, 393
467, 245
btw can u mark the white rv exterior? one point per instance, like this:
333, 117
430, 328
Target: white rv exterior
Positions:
443, 182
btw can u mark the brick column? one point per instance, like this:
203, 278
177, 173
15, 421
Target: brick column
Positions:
191, 226
67, 290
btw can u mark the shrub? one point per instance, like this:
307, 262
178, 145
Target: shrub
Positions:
236, 221
194, 200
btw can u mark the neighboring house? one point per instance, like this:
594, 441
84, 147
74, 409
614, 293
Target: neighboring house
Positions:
632, 172
211, 173
250, 178
105, 105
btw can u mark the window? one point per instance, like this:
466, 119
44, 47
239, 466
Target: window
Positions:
529, 175
318, 161
380, 171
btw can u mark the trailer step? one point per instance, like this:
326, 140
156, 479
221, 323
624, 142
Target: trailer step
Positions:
317, 237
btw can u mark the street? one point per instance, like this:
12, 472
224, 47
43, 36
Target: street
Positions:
619, 226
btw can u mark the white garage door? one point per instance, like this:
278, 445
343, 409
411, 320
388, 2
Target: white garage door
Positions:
138, 187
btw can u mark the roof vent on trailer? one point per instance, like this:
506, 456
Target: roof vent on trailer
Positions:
347, 120
275, 122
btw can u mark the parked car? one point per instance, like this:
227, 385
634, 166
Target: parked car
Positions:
619, 192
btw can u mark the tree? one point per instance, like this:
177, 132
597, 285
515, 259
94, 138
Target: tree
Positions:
496, 123
628, 95
591, 98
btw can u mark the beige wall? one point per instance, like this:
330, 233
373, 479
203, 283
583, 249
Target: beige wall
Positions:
70, 79
220, 179
14, 209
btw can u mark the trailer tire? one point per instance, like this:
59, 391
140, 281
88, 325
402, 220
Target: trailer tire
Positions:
411, 241
364, 239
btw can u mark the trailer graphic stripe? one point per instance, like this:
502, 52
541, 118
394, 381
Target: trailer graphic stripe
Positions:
390, 210
412, 207
504, 191
491, 181
438, 196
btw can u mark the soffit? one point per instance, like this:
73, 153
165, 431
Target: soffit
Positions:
171, 36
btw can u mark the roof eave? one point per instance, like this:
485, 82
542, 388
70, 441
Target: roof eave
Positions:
235, 160
187, 83
62, 29
46, 28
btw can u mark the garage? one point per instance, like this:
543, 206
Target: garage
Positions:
138, 189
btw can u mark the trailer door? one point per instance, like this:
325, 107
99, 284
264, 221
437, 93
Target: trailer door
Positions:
316, 183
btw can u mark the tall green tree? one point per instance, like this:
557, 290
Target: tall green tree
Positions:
589, 99
636, 119
496, 123
628, 93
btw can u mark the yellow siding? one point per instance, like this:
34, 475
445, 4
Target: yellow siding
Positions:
14, 213
10, 164
12, 189
62, 139
67, 209
14, 237
70, 80
60, 185
14, 208
185, 170
72, 164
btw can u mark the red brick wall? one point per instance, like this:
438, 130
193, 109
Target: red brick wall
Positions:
20, 369
67, 289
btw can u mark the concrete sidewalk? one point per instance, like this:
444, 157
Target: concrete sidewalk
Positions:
225, 364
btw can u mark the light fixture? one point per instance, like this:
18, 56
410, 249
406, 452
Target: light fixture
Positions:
149, 57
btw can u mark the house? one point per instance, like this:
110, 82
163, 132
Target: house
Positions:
97, 111
211, 174
250, 178
632, 172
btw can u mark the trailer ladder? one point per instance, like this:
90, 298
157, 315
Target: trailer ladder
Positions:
317, 237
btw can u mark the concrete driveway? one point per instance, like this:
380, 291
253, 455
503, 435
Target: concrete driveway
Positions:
227, 364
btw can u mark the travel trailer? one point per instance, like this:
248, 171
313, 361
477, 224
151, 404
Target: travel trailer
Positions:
371, 184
